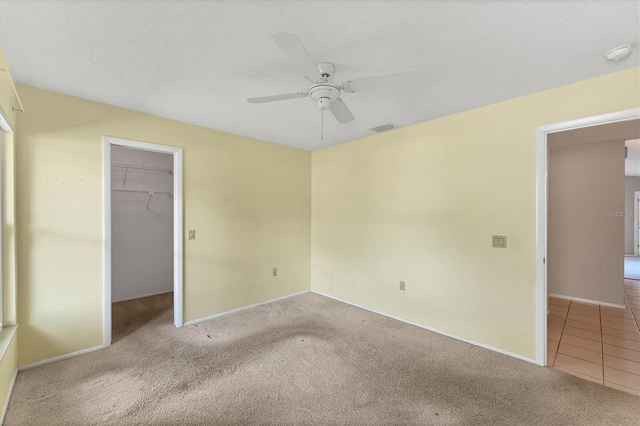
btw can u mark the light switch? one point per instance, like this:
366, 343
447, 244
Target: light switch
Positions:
499, 241
192, 234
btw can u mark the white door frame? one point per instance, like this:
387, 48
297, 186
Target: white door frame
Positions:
541, 212
636, 223
107, 142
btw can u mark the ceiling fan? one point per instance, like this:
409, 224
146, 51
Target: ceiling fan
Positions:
323, 90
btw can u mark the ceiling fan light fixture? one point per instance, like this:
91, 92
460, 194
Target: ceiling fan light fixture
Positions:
324, 103
619, 53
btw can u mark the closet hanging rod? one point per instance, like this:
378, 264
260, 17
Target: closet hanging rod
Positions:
142, 191
140, 167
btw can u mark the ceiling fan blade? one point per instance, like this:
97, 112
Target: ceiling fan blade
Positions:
294, 49
274, 98
341, 111
394, 80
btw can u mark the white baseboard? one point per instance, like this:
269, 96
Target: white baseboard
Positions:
588, 301
435, 330
6, 403
60, 358
243, 308
144, 295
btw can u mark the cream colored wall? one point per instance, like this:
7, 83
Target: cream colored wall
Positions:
585, 243
420, 204
248, 200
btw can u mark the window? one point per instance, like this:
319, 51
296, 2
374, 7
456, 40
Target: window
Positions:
4, 127
1, 225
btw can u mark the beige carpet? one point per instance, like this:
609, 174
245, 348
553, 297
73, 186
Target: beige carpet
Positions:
305, 360
130, 315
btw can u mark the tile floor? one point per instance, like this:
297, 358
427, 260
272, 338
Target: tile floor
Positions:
595, 342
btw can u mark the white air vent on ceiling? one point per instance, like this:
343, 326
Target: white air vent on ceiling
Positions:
384, 127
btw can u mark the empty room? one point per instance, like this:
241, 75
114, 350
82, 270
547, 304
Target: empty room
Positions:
319, 212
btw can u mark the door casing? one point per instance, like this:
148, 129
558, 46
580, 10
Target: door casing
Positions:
541, 212
178, 260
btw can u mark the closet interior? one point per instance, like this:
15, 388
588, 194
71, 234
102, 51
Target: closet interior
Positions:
141, 238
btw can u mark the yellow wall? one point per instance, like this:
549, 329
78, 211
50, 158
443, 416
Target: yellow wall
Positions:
420, 204
248, 200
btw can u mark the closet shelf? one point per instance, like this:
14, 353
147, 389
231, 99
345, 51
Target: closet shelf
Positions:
127, 166
143, 191
141, 167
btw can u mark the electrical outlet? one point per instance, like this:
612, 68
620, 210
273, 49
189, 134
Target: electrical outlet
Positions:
499, 241
275, 272
192, 234
402, 286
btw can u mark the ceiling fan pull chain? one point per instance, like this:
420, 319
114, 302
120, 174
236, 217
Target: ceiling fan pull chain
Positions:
322, 125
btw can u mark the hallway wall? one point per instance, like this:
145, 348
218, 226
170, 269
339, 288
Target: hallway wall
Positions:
585, 242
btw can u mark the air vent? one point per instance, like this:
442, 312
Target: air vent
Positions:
384, 127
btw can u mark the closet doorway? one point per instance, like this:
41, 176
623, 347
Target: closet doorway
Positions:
142, 236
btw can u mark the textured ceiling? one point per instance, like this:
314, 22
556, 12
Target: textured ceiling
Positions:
198, 61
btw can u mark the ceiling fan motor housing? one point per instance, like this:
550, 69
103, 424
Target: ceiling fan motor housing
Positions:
325, 94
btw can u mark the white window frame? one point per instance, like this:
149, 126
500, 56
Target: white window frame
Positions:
5, 127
